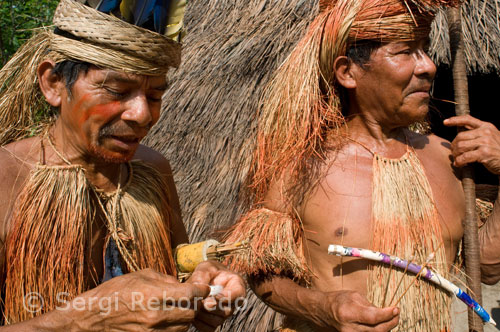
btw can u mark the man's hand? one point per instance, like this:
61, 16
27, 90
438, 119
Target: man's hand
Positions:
481, 143
139, 301
349, 311
219, 307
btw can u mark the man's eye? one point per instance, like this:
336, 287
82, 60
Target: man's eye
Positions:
115, 93
154, 99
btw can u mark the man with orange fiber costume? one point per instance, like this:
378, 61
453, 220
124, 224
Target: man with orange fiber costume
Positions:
337, 164
89, 216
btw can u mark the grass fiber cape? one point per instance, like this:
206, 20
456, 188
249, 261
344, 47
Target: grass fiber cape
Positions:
48, 249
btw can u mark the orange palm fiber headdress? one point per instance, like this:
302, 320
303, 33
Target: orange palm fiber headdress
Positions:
302, 104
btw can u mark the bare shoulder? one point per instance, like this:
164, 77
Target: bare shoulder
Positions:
158, 161
430, 144
154, 159
440, 143
16, 161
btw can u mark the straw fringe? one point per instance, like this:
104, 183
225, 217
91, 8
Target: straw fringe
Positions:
405, 223
46, 250
23, 106
148, 223
276, 245
49, 246
295, 115
484, 209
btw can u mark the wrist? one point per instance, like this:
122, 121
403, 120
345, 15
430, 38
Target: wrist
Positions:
54, 320
316, 307
327, 302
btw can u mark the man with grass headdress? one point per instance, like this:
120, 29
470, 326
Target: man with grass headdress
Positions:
83, 202
336, 164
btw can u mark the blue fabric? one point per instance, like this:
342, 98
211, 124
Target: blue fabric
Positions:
112, 262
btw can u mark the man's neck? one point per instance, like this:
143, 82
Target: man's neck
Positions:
390, 142
62, 150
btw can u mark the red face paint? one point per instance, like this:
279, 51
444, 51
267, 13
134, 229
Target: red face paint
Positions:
107, 124
101, 112
105, 111
104, 114
90, 119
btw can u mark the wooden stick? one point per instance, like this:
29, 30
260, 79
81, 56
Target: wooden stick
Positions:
471, 239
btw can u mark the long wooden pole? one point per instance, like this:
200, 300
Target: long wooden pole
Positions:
471, 239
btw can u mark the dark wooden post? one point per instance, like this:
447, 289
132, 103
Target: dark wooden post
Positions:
471, 240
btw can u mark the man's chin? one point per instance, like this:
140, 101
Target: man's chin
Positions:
113, 157
419, 116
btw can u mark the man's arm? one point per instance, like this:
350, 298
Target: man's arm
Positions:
343, 310
489, 238
138, 301
481, 143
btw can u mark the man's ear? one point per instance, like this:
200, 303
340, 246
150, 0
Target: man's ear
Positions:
344, 72
52, 85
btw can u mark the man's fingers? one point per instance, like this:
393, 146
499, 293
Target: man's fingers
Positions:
233, 290
186, 291
466, 121
390, 324
217, 308
460, 146
204, 273
214, 273
374, 316
468, 135
385, 326
467, 158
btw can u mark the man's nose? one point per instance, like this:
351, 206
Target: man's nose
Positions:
138, 111
425, 66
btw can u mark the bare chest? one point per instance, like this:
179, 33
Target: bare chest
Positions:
339, 211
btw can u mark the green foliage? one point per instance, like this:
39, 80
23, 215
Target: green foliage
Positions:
17, 18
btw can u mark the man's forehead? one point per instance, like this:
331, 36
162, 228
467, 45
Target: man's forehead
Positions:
110, 75
412, 43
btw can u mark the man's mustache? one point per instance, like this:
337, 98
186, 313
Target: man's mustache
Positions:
123, 130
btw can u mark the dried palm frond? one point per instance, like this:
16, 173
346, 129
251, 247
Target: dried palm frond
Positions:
23, 107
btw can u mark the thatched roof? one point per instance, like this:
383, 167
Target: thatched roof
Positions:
481, 31
207, 126
231, 50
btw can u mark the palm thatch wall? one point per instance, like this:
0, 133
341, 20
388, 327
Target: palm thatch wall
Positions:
231, 49
207, 125
481, 32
